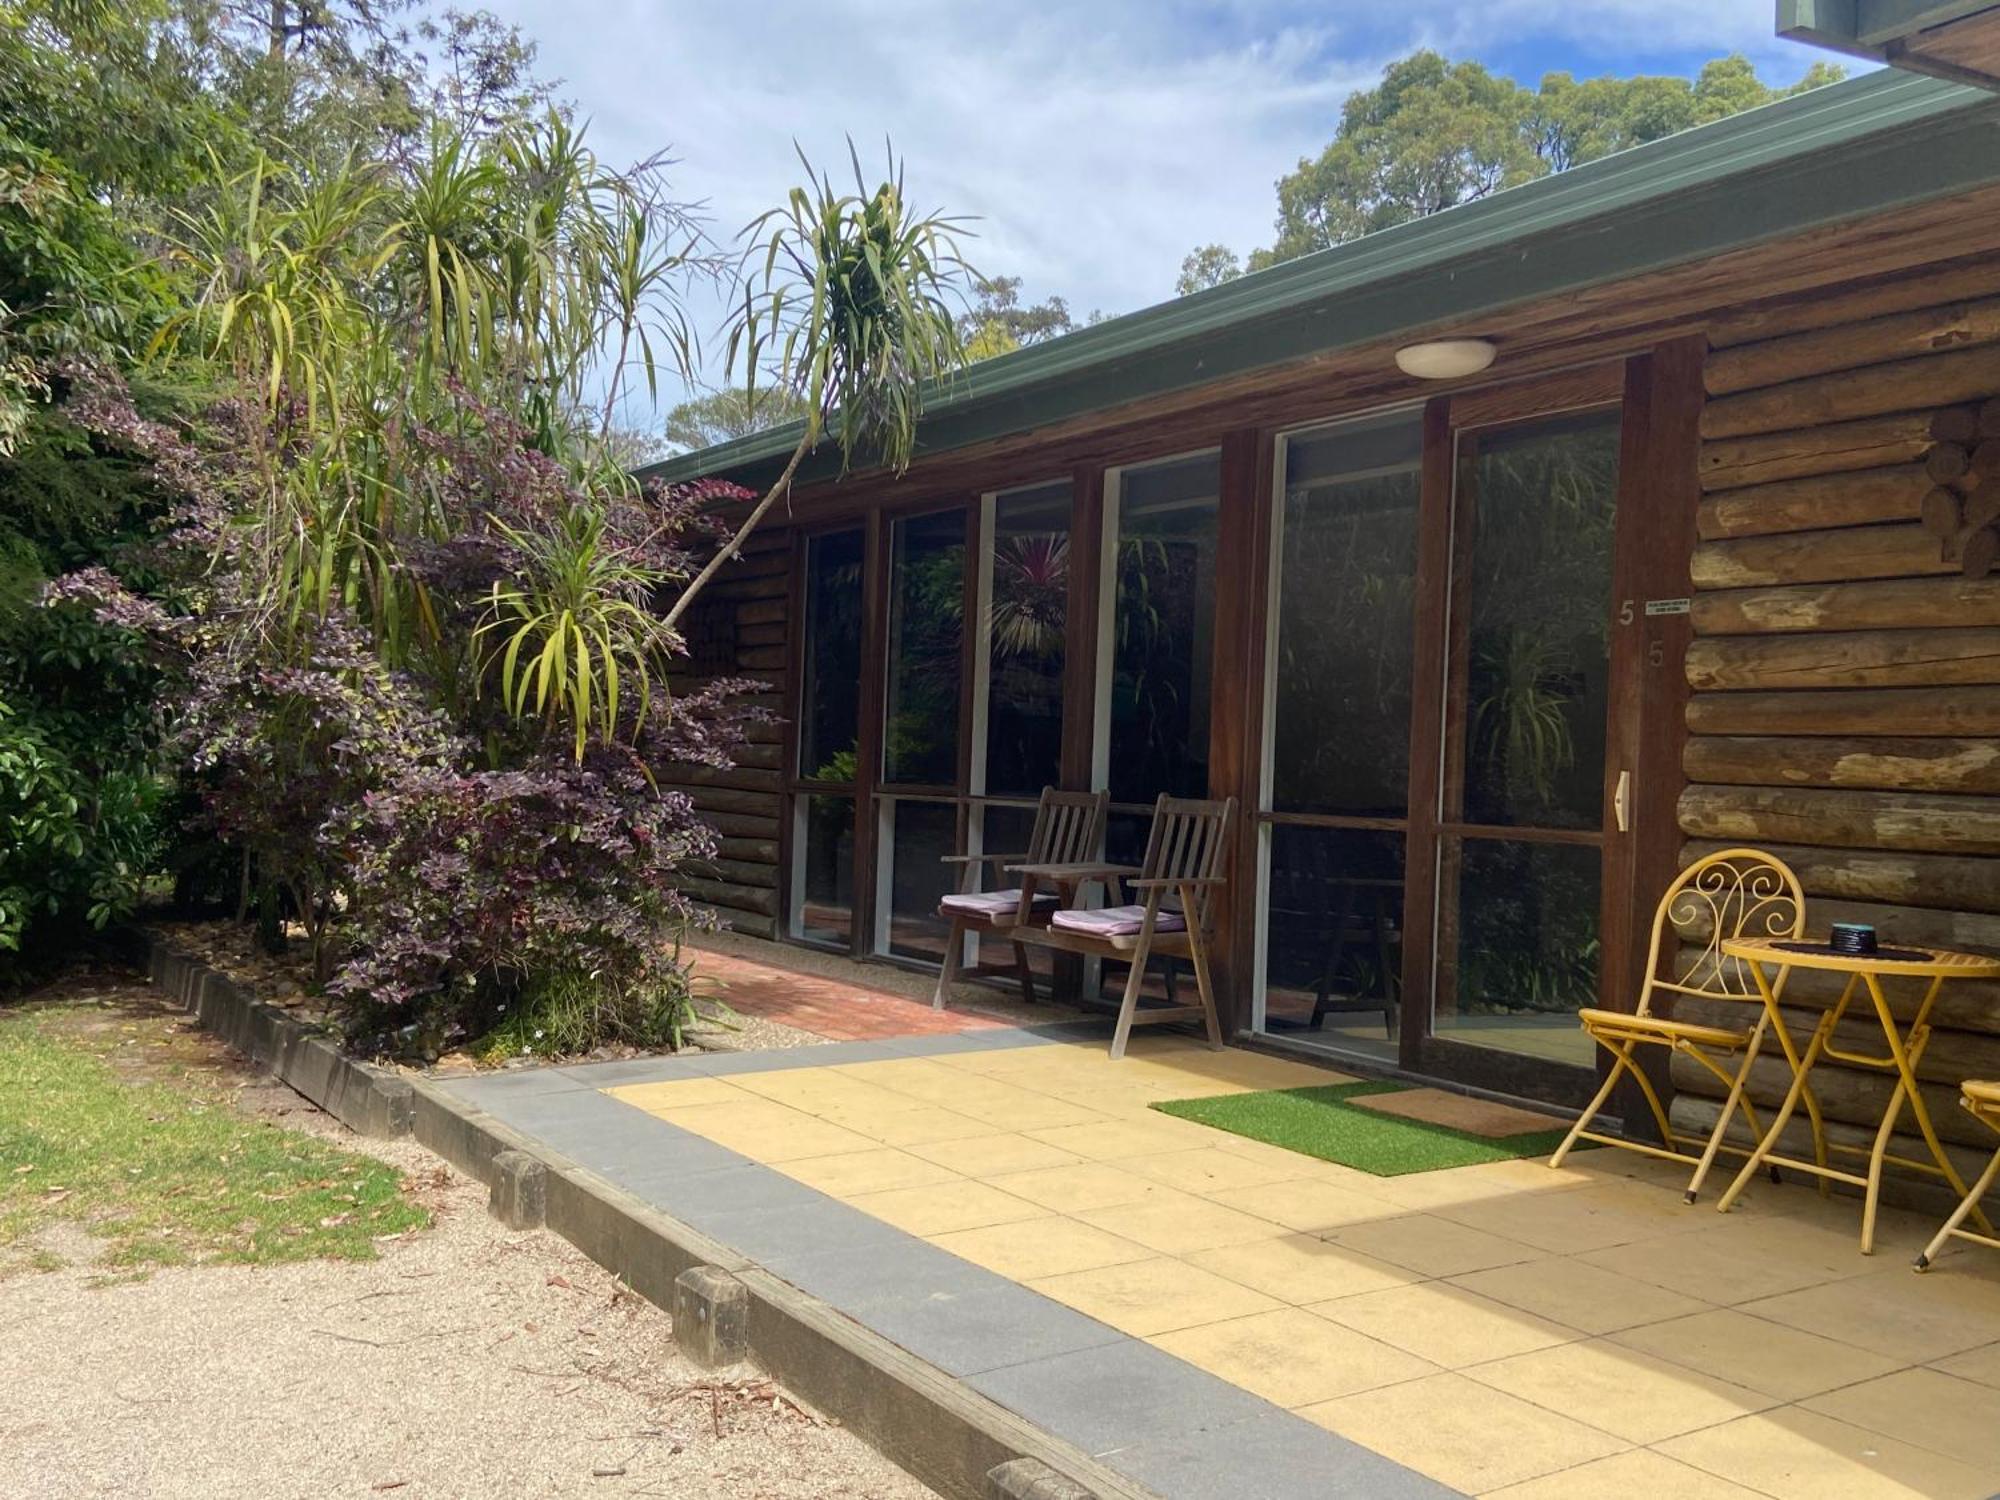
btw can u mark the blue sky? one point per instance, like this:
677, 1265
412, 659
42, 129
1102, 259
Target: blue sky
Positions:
1095, 141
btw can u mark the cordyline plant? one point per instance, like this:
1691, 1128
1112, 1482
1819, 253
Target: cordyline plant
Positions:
853, 305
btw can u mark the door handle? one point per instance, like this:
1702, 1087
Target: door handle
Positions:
1621, 802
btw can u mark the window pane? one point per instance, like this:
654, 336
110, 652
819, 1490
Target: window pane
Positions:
1008, 830
1524, 957
1333, 937
1164, 625
922, 834
825, 911
830, 704
926, 625
1030, 612
1537, 603
1346, 617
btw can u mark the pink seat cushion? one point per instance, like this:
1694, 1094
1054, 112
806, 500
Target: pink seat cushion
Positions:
993, 903
1116, 921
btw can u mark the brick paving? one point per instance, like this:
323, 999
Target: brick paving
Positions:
835, 1009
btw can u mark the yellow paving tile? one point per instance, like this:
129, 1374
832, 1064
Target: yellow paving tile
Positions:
1794, 1454
768, 1132
1637, 1473
1135, 1137
1782, 1362
1086, 1184
816, 1089
943, 1207
1155, 1296
1301, 1268
1462, 1433
1307, 1204
1176, 1223
1590, 1218
1628, 1394
1030, 1248
1207, 1170
849, 1173
1982, 1365
1025, 1109
1291, 1357
1907, 1317
1445, 1324
1579, 1295
990, 1155
1958, 1418
1737, 1261
1431, 1246
1499, 1179
925, 1125
677, 1093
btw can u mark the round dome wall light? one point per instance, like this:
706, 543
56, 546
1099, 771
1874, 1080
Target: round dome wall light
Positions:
1445, 359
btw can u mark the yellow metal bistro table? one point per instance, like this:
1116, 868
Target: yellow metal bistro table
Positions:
1905, 1048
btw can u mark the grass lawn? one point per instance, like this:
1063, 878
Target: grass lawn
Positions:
168, 1173
1321, 1122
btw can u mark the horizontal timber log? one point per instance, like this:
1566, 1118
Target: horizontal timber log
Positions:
1852, 1096
1900, 438
747, 778
750, 923
1900, 712
760, 635
1952, 1057
1952, 881
1886, 764
720, 893
752, 874
1900, 551
1841, 819
762, 851
1874, 604
739, 825
1930, 381
1974, 931
721, 799
1845, 345
1928, 287
1826, 500
759, 661
1852, 658
1964, 1005
761, 612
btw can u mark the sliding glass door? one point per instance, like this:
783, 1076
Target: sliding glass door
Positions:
829, 729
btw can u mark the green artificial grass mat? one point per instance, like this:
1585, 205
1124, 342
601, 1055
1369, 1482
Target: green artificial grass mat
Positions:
1321, 1122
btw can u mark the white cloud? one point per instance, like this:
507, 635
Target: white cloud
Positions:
1096, 142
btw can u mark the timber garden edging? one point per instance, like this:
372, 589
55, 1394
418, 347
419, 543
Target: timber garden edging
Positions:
958, 1442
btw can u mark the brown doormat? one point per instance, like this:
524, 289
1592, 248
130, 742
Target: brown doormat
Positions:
1458, 1112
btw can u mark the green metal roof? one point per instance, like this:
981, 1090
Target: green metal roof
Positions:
1890, 31
1841, 152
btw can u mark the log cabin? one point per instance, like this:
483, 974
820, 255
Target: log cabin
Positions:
1498, 564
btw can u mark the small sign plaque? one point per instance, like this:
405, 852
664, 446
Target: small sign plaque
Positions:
1667, 606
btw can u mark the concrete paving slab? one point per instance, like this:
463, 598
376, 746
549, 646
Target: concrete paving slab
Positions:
1276, 1456
1116, 1395
963, 1333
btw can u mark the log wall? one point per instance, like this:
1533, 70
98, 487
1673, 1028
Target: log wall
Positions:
739, 887
1845, 670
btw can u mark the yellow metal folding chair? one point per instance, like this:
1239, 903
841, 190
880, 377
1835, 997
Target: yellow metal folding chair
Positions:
1729, 894
1981, 1099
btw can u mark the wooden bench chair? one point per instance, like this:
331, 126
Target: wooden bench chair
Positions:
1733, 893
1069, 830
1176, 887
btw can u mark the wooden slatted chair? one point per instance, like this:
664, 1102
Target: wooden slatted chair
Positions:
1069, 829
1729, 894
1176, 886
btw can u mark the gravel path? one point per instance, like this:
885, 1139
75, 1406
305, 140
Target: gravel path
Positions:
467, 1362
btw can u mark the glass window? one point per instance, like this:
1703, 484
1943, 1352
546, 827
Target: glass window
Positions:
824, 883
1346, 620
1163, 629
1333, 940
1007, 831
1533, 603
830, 700
1027, 620
921, 834
926, 629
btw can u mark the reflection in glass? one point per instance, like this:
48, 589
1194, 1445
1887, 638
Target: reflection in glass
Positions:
1534, 594
1163, 627
926, 628
1333, 939
1346, 613
1523, 958
830, 700
921, 835
1025, 642
825, 899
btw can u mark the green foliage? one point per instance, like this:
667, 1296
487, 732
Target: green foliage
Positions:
735, 412
1434, 134
998, 322
1206, 266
